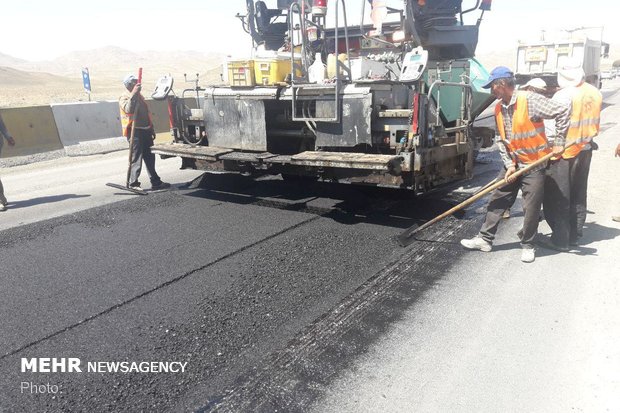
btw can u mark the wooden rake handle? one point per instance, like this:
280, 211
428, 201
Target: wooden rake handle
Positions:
409, 232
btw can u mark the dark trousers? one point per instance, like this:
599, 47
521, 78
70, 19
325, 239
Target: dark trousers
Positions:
142, 142
556, 202
579, 173
532, 186
566, 196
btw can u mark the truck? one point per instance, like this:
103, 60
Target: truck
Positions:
544, 57
388, 103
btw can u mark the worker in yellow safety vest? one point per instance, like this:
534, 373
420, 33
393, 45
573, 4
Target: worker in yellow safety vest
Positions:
565, 202
135, 115
519, 117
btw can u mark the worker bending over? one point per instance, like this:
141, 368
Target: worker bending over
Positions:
519, 117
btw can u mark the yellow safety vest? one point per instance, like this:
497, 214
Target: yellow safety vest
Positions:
585, 119
127, 118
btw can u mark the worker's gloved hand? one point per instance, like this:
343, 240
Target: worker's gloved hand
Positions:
509, 172
153, 135
11, 141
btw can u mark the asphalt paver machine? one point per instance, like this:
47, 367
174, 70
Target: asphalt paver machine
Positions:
386, 99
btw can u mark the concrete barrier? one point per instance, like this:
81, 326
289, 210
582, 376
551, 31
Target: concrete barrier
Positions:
76, 129
89, 127
34, 130
95, 127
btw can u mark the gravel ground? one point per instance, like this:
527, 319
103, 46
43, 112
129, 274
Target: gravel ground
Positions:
25, 160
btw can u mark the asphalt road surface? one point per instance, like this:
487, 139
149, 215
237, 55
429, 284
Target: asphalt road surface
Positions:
288, 297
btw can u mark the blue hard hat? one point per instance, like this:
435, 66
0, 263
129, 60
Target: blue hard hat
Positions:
500, 72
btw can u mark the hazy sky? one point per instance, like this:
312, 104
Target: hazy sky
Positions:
44, 29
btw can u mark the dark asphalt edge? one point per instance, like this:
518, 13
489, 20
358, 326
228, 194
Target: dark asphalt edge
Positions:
157, 288
266, 390
98, 216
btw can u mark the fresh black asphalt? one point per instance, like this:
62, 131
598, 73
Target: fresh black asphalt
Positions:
228, 278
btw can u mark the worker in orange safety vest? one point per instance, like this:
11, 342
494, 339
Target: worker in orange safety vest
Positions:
565, 202
519, 117
135, 114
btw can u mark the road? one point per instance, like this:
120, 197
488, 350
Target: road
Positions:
289, 298
496, 335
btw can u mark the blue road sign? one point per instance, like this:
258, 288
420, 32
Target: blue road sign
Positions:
86, 79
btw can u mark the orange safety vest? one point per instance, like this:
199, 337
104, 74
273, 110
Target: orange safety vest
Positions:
585, 119
529, 142
127, 118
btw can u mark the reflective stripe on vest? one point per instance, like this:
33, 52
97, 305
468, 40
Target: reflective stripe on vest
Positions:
127, 119
584, 120
530, 134
528, 142
126, 122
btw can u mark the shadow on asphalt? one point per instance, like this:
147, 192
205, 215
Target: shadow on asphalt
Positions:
545, 252
593, 232
344, 203
578, 250
43, 200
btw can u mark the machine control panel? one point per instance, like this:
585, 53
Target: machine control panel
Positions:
414, 64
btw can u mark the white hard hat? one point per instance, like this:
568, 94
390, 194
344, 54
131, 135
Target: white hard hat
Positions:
129, 79
570, 76
537, 83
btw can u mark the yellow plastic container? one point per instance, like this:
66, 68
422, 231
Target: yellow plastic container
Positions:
271, 71
241, 73
333, 67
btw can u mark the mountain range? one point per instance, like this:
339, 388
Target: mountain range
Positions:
26, 83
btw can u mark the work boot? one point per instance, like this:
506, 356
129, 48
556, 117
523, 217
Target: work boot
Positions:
477, 243
616, 218
528, 254
550, 245
2, 207
160, 185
